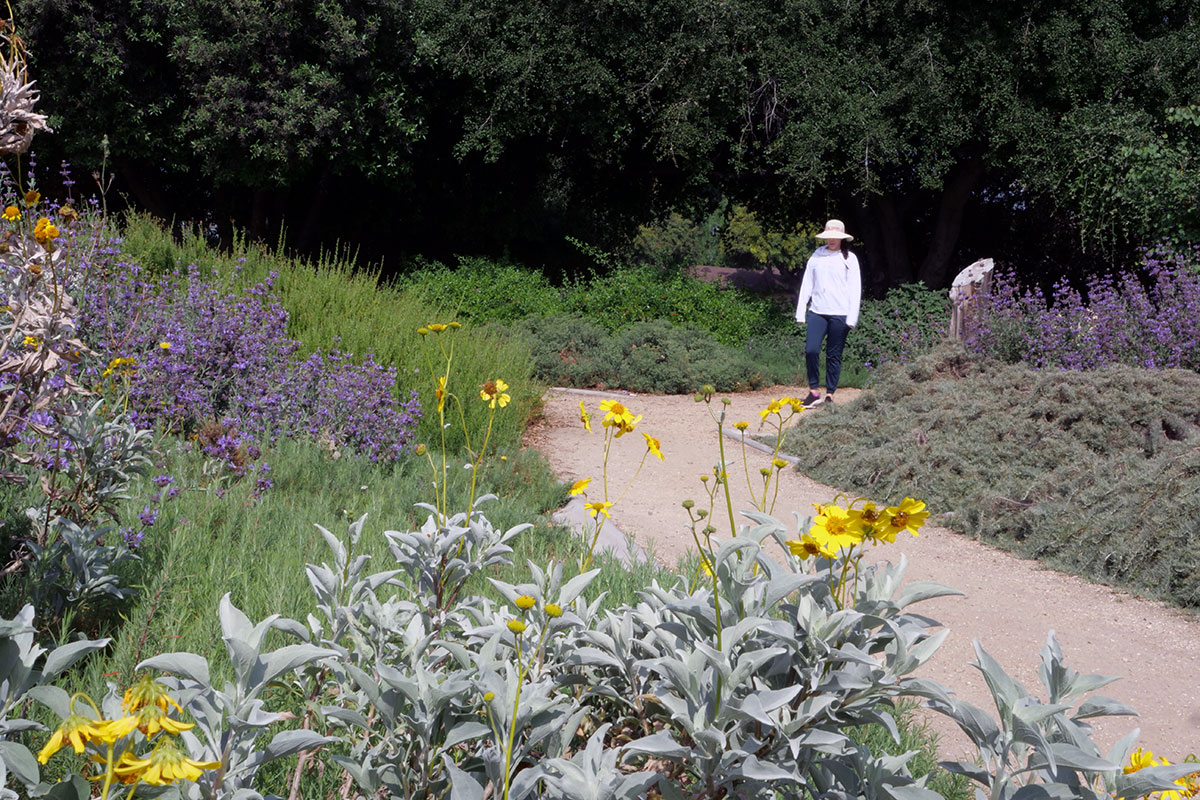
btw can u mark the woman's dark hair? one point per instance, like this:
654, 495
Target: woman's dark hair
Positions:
845, 251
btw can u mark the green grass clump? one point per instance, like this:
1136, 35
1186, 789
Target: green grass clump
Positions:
1093, 472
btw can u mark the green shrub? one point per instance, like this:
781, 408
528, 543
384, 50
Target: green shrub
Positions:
745, 243
626, 295
482, 290
1029, 459
676, 242
571, 351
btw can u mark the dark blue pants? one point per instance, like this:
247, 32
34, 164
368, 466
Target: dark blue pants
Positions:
819, 327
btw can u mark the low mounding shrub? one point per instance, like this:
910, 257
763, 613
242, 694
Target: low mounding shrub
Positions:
909, 321
1115, 320
1032, 460
652, 356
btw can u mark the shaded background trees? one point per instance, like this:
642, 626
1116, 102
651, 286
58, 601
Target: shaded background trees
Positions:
1054, 135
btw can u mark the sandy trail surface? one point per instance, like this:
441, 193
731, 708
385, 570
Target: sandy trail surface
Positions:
1010, 604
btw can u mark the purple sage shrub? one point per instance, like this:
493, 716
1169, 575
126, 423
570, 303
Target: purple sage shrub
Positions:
201, 357
1152, 323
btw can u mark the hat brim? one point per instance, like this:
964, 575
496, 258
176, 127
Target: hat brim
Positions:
833, 235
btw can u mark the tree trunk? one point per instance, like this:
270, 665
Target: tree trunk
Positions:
935, 269
894, 241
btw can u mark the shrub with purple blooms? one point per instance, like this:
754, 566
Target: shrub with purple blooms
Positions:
1152, 323
192, 353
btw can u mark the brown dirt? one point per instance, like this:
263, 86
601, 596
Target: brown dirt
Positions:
1010, 603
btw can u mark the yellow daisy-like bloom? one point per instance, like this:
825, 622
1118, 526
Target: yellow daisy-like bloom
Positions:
44, 231
31, 341
437, 327
706, 566
617, 414
773, 407
77, 730
579, 487
585, 417
493, 393
32, 198
836, 529
120, 728
525, 602
627, 427
553, 610
1140, 759
654, 446
153, 719
516, 626
599, 507
423, 331
779, 463
148, 692
874, 522
910, 515
165, 765
12, 213
808, 546
741, 426
796, 403
164, 345
440, 394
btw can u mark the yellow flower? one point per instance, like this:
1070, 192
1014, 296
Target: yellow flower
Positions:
741, 426
654, 446
153, 719
580, 486
624, 427
908, 516
617, 414
165, 765
706, 565
148, 692
808, 546
12, 213
874, 522
44, 231
779, 463
31, 341
836, 529
585, 417
1140, 759
493, 393
77, 730
436, 327
772, 408
120, 728
32, 197
525, 602
440, 394
489, 697
516, 626
553, 610
68, 213
796, 403
423, 331
164, 345
600, 507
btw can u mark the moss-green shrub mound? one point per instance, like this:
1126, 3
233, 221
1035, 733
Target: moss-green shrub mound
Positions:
1094, 472
655, 357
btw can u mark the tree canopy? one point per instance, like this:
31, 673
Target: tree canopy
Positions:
935, 129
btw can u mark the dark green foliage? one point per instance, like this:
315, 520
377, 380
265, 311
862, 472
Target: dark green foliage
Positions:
676, 242
653, 357
483, 290
1096, 472
909, 321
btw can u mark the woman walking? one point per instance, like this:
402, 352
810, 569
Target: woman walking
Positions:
833, 286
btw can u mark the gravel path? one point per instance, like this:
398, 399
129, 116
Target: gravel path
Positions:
1010, 603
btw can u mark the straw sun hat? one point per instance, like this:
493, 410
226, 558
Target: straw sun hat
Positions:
834, 229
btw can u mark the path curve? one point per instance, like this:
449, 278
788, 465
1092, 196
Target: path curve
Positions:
1010, 603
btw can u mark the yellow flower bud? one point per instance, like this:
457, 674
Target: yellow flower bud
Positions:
525, 602
516, 626
553, 610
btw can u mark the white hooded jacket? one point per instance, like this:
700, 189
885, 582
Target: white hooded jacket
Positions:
833, 285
